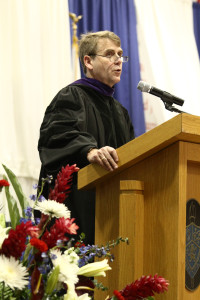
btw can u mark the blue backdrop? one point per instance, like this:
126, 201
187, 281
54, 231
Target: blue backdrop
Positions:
117, 16
196, 19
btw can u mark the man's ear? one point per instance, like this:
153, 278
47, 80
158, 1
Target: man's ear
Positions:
88, 62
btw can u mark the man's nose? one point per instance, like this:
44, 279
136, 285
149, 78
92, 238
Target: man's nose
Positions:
117, 58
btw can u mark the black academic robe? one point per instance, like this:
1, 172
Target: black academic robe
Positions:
77, 119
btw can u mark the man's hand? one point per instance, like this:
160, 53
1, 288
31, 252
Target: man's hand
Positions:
106, 157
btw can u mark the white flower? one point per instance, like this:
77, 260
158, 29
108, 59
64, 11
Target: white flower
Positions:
73, 257
84, 297
71, 294
3, 234
53, 208
68, 270
95, 269
13, 273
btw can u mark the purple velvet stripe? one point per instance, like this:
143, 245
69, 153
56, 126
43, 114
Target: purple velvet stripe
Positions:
96, 85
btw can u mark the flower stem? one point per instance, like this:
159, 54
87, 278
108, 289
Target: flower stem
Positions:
44, 227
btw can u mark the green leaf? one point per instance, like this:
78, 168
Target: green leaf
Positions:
27, 251
12, 207
18, 189
99, 285
5, 292
52, 280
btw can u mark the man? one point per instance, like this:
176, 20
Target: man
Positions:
85, 124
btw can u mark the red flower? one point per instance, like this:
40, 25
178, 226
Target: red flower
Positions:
118, 295
4, 182
79, 245
43, 221
68, 225
58, 231
63, 184
33, 231
144, 287
15, 243
40, 245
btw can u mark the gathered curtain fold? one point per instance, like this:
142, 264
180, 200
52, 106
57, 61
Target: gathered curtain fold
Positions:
168, 56
196, 20
35, 60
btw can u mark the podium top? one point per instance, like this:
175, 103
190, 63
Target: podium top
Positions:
183, 127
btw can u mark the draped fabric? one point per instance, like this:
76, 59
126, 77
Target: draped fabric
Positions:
35, 60
35, 63
196, 19
168, 55
119, 17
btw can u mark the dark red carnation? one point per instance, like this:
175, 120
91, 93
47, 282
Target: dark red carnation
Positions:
4, 182
40, 245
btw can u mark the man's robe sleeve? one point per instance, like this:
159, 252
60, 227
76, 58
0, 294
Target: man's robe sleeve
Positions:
63, 135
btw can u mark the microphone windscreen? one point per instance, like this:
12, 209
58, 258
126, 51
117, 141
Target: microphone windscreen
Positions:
144, 87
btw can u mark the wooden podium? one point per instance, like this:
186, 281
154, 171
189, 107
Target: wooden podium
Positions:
145, 200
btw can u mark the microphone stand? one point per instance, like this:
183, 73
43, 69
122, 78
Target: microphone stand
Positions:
169, 106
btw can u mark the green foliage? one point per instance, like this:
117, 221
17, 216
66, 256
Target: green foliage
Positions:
27, 252
12, 207
5, 292
99, 285
117, 241
12, 203
52, 280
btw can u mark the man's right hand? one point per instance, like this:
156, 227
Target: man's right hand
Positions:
106, 157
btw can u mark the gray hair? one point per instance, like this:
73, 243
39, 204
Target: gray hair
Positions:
88, 43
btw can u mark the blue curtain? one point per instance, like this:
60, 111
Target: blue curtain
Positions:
117, 16
196, 20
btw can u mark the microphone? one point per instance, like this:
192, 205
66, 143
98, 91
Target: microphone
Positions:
166, 97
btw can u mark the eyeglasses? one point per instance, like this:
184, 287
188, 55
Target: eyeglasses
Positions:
113, 57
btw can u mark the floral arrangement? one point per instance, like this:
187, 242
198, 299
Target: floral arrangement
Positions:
43, 260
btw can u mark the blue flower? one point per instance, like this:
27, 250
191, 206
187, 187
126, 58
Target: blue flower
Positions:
82, 261
33, 197
41, 198
59, 243
53, 256
45, 257
35, 186
28, 211
44, 269
37, 221
24, 220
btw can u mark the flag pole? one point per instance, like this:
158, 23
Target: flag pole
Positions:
75, 20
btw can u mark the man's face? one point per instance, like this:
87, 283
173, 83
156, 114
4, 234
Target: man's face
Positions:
103, 68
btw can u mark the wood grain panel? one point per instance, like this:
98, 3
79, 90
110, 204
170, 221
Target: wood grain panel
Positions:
145, 200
